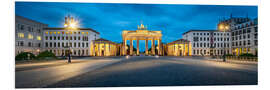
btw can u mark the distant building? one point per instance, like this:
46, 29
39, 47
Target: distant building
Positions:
179, 47
28, 35
242, 37
245, 37
103, 47
58, 41
208, 42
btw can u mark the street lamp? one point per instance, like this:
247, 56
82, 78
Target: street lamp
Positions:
224, 27
70, 24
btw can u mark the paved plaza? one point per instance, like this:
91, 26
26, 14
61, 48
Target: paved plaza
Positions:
136, 71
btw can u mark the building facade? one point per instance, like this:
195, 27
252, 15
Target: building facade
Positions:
208, 42
245, 37
103, 47
179, 47
28, 35
60, 41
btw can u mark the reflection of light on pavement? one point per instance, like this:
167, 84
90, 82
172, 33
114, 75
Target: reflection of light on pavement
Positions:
127, 56
157, 56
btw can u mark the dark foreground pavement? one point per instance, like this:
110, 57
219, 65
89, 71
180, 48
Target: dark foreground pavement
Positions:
165, 71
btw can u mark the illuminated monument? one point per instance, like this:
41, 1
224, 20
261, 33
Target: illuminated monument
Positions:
141, 34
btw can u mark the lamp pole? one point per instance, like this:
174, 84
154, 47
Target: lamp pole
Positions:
70, 24
223, 27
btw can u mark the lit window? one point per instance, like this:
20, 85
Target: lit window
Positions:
50, 32
38, 38
66, 32
30, 36
58, 32
46, 32
54, 32
70, 32
86, 32
21, 35
82, 32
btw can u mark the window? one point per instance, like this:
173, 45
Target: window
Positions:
82, 44
46, 44
38, 37
255, 29
195, 39
63, 45
248, 30
193, 44
54, 44
86, 44
50, 44
30, 36
22, 27
21, 35
50, 37
75, 44
29, 44
58, 44
248, 42
46, 37
58, 38
54, 38
63, 38
200, 38
194, 52
248, 35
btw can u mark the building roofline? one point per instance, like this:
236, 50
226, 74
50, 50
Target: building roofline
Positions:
55, 28
30, 20
194, 30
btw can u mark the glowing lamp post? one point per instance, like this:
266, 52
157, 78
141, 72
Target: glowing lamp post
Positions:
224, 27
70, 24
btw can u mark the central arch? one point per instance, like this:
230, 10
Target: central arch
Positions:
141, 34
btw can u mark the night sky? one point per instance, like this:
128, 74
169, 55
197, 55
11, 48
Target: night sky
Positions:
110, 19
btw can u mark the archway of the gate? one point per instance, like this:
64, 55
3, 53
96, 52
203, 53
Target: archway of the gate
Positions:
142, 34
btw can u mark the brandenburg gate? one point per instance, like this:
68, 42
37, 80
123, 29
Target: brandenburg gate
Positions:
141, 34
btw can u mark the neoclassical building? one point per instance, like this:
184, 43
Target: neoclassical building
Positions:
141, 34
60, 40
103, 47
179, 47
28, 35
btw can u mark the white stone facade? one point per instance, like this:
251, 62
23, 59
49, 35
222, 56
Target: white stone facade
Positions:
28, 35
208, 42
245, 37
56, 40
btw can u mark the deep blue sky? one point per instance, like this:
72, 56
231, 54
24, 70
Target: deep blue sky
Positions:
111, 19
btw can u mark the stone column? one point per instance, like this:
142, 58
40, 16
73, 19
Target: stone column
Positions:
131, 47
98, 49
184, 54
105, 49
146, 47
153, 47
124, 47
138, 48
158, 47
188, 49
94, 50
